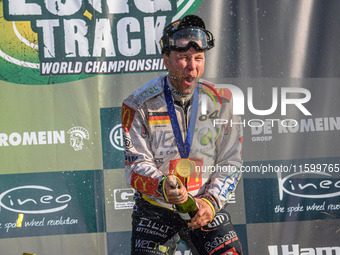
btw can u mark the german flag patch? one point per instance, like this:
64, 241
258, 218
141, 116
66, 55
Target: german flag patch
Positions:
158, 118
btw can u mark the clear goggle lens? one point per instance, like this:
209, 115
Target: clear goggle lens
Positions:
199, 39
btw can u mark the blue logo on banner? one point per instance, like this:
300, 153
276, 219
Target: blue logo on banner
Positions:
112, 138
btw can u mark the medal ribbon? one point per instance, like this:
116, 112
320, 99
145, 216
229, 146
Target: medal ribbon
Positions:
183, 147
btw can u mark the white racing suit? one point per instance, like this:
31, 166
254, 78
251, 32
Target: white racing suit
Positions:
151, 151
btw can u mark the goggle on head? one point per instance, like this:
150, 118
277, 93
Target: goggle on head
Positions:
182, 40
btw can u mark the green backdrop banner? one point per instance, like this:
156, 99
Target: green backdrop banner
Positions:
65, 67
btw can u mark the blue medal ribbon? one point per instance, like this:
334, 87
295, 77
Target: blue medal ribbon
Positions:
183, 147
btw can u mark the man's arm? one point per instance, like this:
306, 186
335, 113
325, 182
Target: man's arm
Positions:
141, 171
229, 158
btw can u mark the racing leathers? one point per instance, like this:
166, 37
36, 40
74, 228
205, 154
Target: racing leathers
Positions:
151, 152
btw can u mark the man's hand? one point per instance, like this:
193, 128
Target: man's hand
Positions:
178, 195
204, 215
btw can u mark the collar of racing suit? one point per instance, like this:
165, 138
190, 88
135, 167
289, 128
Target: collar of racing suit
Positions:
182, 100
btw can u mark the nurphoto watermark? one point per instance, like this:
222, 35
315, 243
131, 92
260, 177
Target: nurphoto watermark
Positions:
301, 97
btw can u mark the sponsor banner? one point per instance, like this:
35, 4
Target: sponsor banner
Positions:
51, 203
112, 138
59, 244
75, 40
49, 128
281, 116
295, 238
309, 194
119, 242
74, 46
118, 201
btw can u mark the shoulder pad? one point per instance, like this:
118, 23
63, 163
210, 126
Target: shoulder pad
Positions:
147, 91
219, 92
225, 93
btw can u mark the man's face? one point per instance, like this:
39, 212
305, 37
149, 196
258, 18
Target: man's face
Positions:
185, 69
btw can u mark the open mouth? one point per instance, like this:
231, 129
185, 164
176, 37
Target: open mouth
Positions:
189, 79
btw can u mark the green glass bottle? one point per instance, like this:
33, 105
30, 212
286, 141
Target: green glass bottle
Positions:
189, 208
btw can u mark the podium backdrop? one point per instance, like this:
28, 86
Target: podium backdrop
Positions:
65, 67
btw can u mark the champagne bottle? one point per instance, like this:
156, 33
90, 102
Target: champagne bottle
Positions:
189, 208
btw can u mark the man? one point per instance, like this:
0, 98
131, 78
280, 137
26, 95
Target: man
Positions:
169, 136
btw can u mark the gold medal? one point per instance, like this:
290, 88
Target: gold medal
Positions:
184, 167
